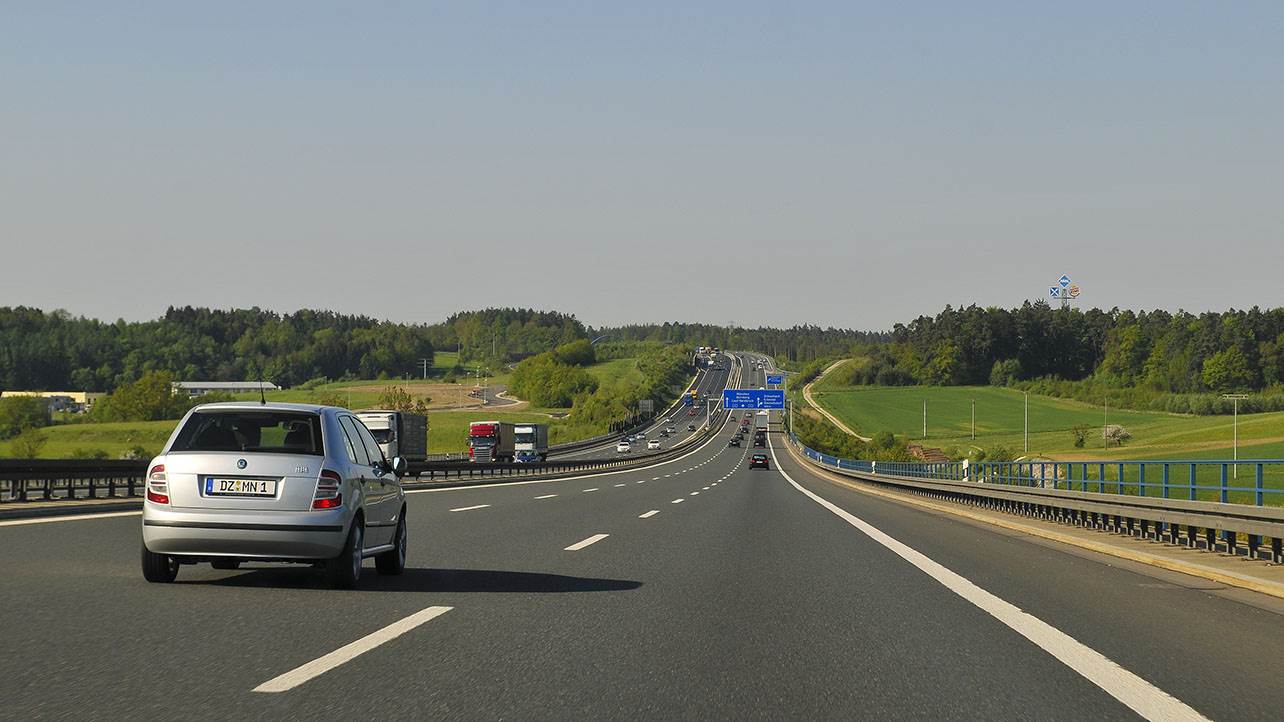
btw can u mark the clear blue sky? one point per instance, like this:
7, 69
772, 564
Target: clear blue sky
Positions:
845, 163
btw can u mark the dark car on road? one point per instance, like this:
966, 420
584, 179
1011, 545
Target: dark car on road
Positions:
691, 427
759, 443
734, 441
759, 461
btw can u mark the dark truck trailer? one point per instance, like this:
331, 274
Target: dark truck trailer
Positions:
490, 441
398, 433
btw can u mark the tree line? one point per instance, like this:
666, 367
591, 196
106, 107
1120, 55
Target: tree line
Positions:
55, 351
1178, 362
796, 344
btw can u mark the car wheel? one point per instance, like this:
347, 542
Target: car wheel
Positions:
394, 560
344, 570
161, 568
226, 563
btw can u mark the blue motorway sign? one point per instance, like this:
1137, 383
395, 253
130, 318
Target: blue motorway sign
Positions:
776, 380
753, 399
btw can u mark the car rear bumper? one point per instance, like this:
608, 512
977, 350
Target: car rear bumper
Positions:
264, 535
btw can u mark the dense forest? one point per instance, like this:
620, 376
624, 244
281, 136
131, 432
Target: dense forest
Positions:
1166, 361
798, 344
54, 350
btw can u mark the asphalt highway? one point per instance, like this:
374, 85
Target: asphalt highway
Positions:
697, 588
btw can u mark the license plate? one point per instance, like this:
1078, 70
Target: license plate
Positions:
239, 487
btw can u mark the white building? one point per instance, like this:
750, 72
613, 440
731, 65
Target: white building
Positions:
200, 388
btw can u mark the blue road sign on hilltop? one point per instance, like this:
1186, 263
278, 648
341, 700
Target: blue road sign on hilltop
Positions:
753, 398
1064, 281
777, 380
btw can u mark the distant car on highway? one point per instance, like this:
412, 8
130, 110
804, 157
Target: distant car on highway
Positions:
653, 444
735, 441
670, 429
759, 442
758, 461
691, 427
623, 447
274, 482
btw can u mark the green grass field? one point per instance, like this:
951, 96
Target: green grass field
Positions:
1000, 414
63, 440
1000, 417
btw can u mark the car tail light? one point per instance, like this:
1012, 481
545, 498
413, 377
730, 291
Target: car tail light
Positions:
328, 495
158, 485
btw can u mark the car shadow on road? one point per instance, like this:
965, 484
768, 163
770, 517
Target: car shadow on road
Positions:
459, 581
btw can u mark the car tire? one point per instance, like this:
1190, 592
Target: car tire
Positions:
393, 561
226, 563
159, 568
344, 570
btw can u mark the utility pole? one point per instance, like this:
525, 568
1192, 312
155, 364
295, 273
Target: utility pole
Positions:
924, 418
1027, 422
1235, 430
424, 363
974, 419
1105, 425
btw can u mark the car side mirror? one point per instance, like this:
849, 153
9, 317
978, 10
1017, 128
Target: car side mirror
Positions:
398, 465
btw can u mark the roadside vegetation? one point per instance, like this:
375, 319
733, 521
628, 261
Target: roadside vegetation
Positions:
1059, 428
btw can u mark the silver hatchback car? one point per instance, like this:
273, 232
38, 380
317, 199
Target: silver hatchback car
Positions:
273, 482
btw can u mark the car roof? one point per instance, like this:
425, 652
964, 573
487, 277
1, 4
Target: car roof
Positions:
258, 406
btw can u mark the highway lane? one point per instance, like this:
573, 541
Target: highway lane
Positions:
745, 599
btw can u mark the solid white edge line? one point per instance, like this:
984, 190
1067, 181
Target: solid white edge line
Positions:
74, 517
347, 652
581, 544
649, 514
1134, 692
470, 508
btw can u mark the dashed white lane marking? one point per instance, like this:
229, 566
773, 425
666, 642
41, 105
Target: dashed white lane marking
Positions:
618, 485
694, 493
704, 489
546, 496
642, 482
677, 501
470, 508
654, 478
76, 517
588, 490
581, 544
1134, 692
667, 475
649, 514
347, 652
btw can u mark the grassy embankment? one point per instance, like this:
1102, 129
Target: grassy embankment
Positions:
1000, 419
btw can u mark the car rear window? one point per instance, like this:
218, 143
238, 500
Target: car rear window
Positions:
266, 431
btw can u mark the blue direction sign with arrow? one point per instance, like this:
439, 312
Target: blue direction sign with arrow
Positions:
776, 380
753, 399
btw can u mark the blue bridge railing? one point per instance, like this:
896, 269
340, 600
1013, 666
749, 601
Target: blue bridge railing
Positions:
1258, 482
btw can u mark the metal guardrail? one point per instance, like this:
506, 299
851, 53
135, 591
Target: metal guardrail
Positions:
1111, 506
49, 479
